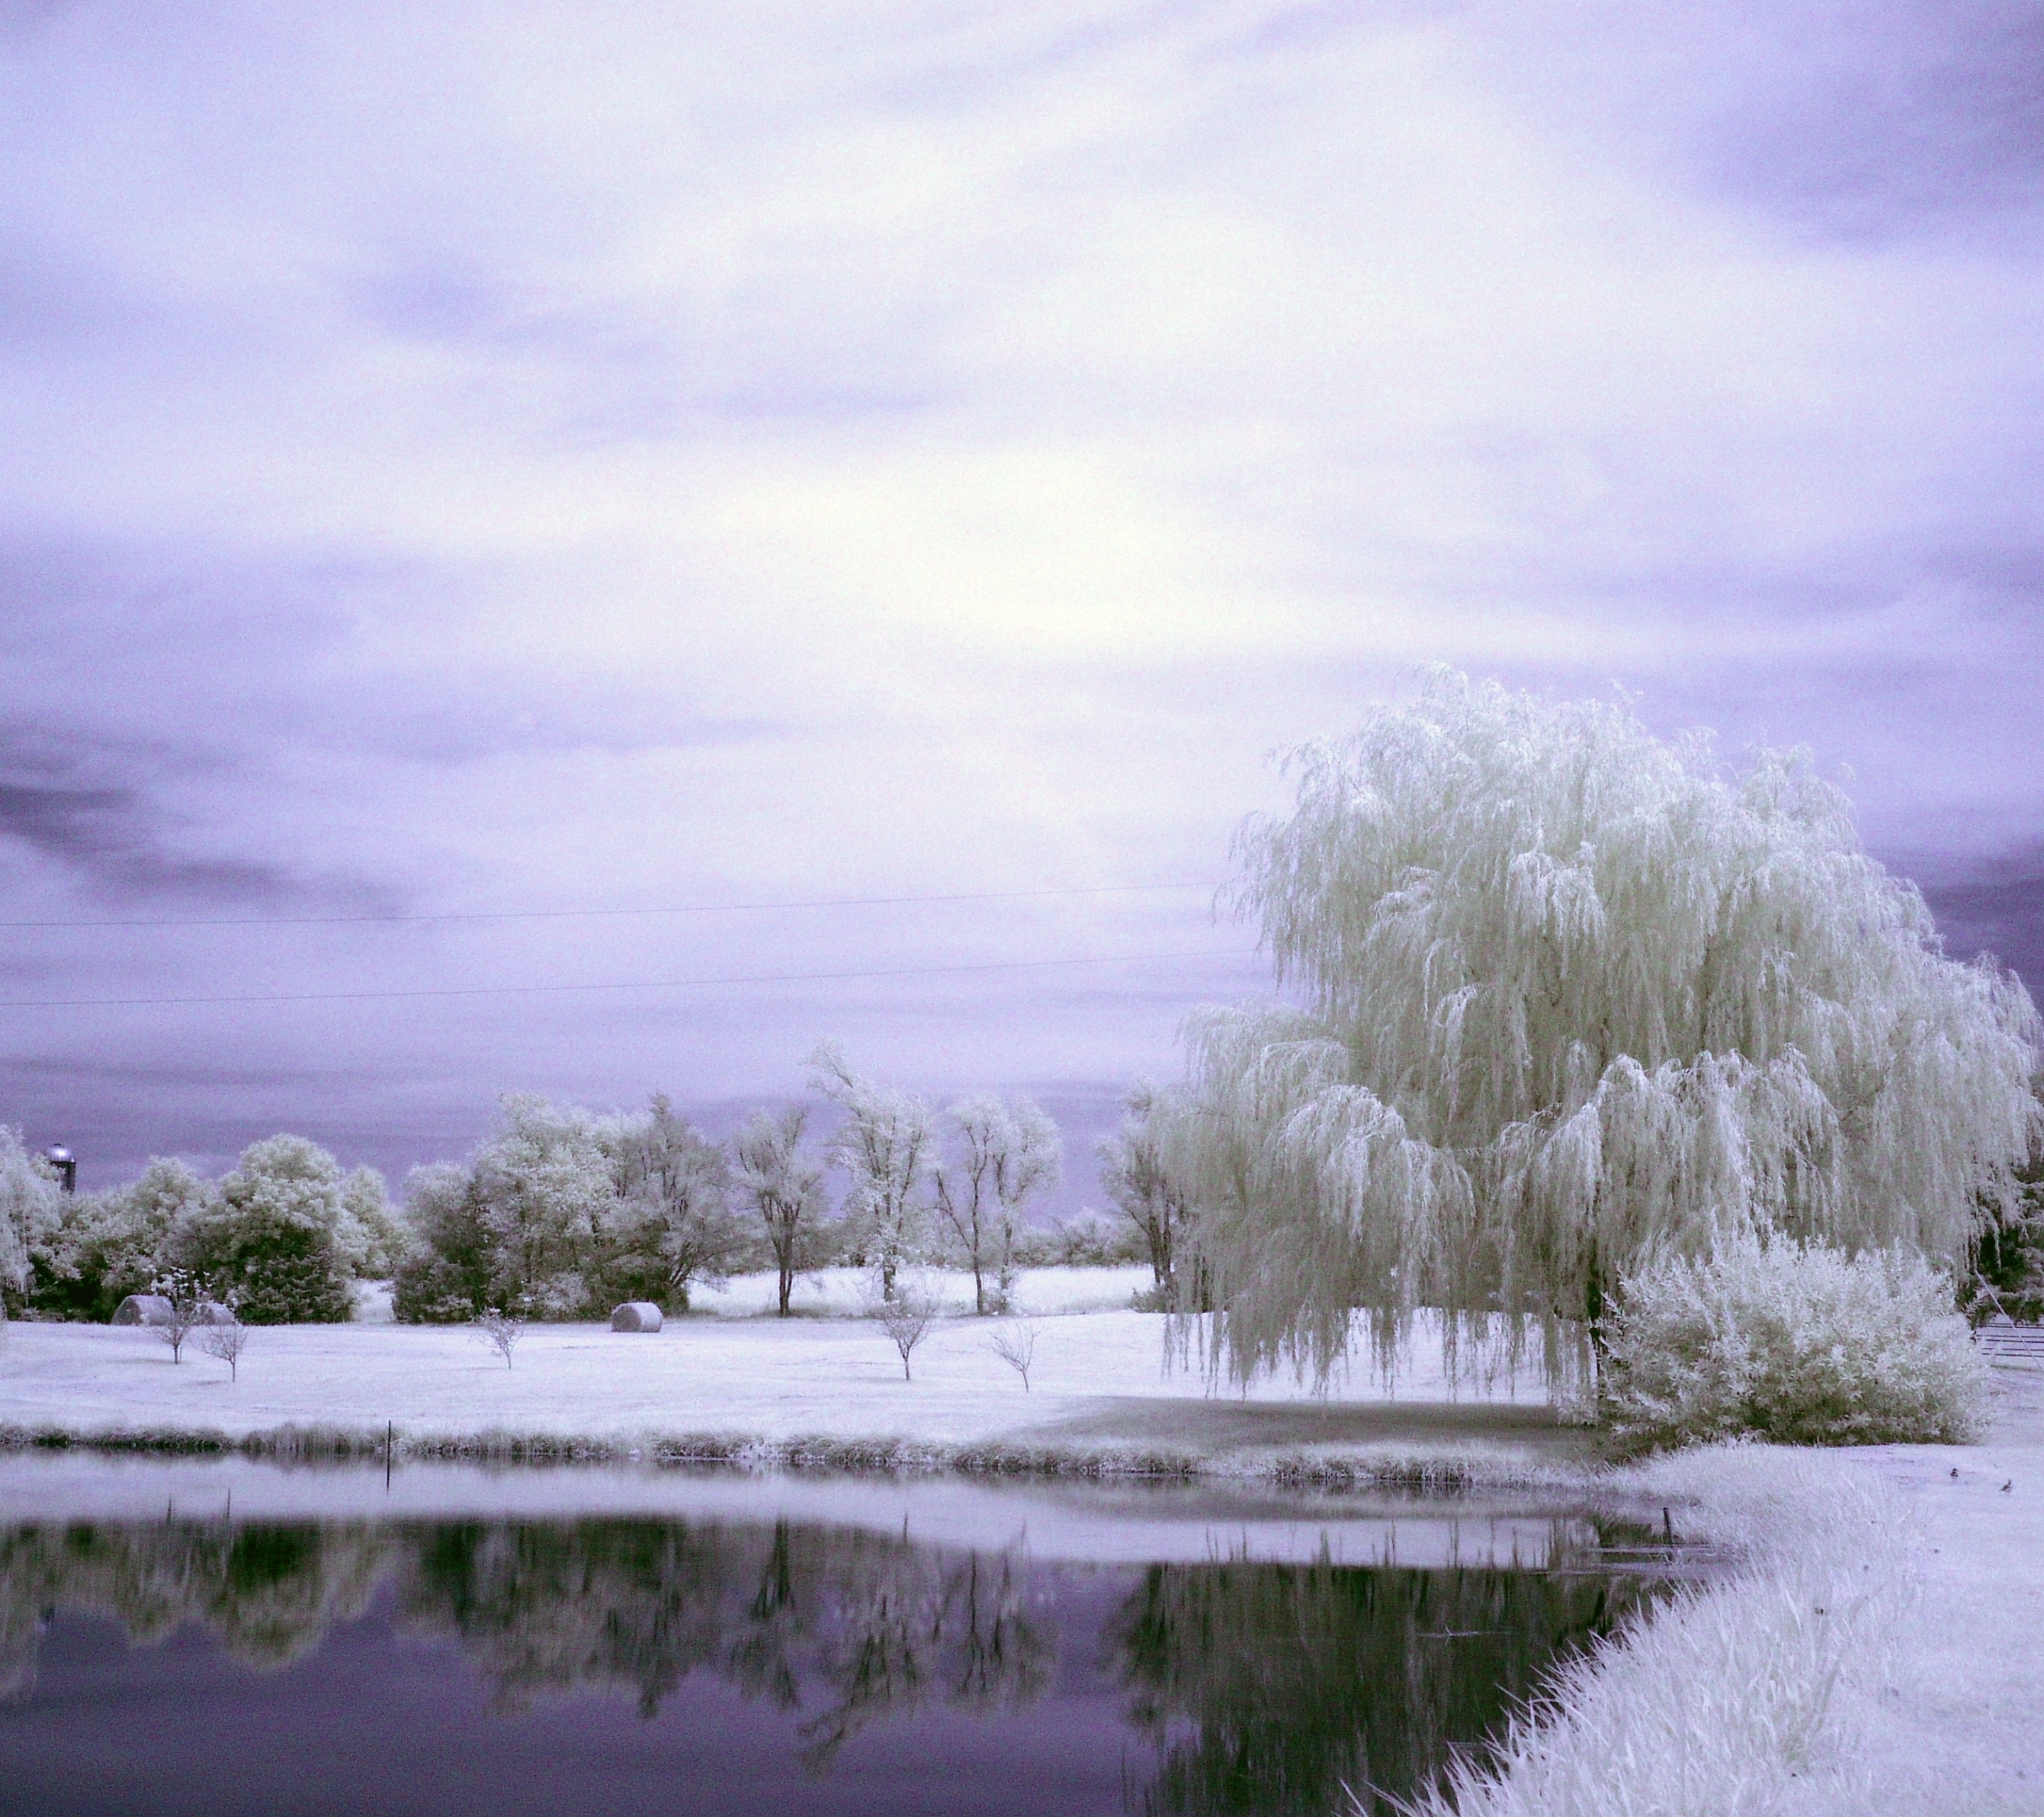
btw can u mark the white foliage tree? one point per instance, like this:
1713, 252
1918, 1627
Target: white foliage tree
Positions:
30, 1200
886, 1144
543, 1183
673, 1223
1030, 1161
1003, 1154
1133, 1174
1575, 999
776, 1180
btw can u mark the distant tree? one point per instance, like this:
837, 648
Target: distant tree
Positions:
1030, 1161
370, 1238
963, 1184
545, 1187
144, 1219
783, 1187
281, 1269
268, 1237
1002, 1155
91, 1250
673, 1222
885, 1144
1092, 1239
446, 1274
1134, 1176
28, 1201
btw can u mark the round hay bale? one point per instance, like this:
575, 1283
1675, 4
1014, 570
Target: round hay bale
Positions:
635, 1315
143, 1309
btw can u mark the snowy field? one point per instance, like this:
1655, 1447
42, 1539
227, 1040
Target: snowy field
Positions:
1098, 1376
847, 1293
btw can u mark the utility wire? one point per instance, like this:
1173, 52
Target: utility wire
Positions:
589, 914
648, 984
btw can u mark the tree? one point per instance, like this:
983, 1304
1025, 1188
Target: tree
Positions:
500, 1329
964, 1185
1003, 1155
29, 1200
784, 1190
226, 1339
673, 1221
885, 1145
1133, 1174
1015, 1345
1574, 999
1031, 1161
91, 1250
269, 1237
444, 1279
544, 1186
371, 1239
187, 1303
906, 1316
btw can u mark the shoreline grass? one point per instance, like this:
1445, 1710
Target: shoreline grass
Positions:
1375, 1468
1745, 1696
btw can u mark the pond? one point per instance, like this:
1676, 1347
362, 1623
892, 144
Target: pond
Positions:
273, 1641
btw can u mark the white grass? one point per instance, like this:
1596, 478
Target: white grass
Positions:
1880, 1652
1725, 1701
762, 1378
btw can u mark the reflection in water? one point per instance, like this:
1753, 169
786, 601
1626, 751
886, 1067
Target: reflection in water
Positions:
870, 1625
1233, 1687
1295, 1681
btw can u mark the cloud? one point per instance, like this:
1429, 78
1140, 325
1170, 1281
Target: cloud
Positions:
603, 460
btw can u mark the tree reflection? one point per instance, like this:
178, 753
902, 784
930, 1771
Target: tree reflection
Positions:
1295, 1680
1261, 1688
848, 1625
268, 1592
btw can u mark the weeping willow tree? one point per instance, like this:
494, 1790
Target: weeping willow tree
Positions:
1574, 999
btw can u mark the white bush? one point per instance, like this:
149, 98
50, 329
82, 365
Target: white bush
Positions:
1802, 1345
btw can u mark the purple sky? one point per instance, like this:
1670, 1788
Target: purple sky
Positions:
486, 459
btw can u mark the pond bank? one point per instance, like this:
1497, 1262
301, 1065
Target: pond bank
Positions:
1881, 1651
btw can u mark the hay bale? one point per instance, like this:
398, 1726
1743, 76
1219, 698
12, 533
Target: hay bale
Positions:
635, 1315
143, 1309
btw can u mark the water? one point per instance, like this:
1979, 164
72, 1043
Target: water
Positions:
724, 1646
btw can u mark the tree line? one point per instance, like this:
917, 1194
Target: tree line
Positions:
562, 1212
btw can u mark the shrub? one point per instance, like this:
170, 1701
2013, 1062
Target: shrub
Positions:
1801, 1345
1092, 1241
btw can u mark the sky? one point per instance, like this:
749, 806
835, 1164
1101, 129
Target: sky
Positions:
554, 508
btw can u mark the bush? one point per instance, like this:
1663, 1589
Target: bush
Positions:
1802, 1345
1089, 1240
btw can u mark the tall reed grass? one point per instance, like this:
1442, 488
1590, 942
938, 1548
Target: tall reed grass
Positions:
1736, 1700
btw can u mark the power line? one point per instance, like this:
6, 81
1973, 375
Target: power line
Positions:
589, 914
647, 983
